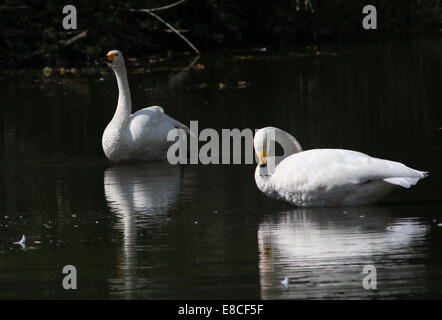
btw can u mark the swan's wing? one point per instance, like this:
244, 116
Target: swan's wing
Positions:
397, 173
159, 113
330, 168
146, 121
149, 129
177, 124
403, 182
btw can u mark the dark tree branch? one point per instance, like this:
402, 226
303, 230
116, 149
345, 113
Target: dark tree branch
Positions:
160, 8
79, 36
178, 33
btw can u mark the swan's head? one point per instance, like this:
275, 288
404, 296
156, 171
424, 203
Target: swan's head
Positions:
261, 143
264, 144
114, 59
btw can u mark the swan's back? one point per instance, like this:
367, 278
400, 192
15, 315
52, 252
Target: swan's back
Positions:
338, 176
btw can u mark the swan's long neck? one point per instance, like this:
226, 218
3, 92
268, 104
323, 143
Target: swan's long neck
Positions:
288, 143
124, 106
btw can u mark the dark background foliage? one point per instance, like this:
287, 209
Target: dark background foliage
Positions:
31, 32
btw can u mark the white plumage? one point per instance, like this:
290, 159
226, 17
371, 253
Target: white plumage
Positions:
325, 177
138, 136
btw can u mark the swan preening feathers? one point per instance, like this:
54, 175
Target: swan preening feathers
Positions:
138, 136
324, 177
312, 178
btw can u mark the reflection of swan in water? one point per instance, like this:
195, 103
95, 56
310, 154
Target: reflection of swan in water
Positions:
136, 193
323, 251
141, 188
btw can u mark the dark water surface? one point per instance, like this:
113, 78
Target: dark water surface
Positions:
155, 231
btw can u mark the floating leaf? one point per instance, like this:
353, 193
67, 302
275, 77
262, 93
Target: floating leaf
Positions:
47, 71
242, 84
238, 57
199, 66
202, 85
139, 70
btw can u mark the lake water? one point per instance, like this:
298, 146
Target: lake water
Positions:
155, 231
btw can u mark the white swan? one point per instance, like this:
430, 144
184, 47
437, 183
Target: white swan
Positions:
324, 177
139, 136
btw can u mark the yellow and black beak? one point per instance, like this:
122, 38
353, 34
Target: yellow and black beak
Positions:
110, 57
262, 158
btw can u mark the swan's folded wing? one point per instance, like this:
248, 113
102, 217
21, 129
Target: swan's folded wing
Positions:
398, 173
330, 168
177, 124
160, 113
403, 182
182, 126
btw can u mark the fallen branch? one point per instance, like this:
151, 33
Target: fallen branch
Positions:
175, 31
181, 30
161, 8
178, 33
5, 7
190, 66
79, 36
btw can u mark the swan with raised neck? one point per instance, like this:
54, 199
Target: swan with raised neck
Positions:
141, 136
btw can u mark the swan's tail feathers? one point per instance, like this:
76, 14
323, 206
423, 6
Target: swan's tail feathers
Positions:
406, 182
182, 126
403, 182
178, 124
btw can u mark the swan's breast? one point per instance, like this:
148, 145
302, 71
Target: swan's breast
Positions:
115, 142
